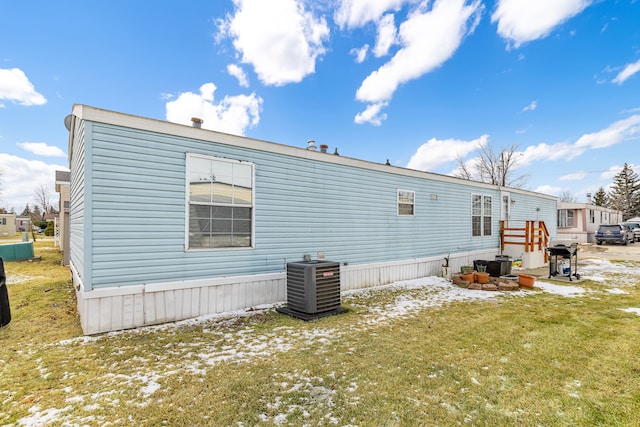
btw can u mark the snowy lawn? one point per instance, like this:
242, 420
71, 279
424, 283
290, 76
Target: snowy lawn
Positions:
418, 352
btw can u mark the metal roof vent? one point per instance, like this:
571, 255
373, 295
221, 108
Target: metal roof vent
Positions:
311, 145
196, 122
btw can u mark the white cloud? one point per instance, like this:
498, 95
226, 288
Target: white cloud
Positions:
42, 149
16, 87
616, 133
239, 74
435, 153
233, 114
279, 38
576, 176
360, 54
386, 35
521, 21
550, 189
21, 179
372, 114
356, 13
611, 173
428, 39
628, 71
531, 107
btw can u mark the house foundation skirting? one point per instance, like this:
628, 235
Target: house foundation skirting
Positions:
109, 309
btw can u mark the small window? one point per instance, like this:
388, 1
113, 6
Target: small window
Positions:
481, 215
406, 202
219, 203
592, 216
565, 218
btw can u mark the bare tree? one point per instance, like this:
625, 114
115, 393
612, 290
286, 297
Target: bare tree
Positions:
43, 199
492, 166
566, 196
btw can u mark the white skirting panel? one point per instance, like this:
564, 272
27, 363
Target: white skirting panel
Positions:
367, 275
110, 309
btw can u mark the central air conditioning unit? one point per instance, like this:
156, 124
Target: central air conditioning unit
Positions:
313, 289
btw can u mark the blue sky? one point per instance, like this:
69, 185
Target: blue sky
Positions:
420, 83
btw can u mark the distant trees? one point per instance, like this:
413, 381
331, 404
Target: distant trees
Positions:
601, 198
566, 196
43, 199
493, 167
26, 211
624, 194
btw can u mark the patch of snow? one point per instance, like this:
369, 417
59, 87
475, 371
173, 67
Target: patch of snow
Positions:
565, 291
151, 385
14, 279
616, 291
632, 310
40, 418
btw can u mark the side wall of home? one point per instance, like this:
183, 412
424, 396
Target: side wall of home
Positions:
128, 213
302, 206
79, 193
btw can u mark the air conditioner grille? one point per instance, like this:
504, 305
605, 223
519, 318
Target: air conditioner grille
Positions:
313, 286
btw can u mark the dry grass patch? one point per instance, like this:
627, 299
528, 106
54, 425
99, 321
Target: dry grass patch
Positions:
403, 355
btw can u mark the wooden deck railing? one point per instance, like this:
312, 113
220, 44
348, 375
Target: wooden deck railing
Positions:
533, 236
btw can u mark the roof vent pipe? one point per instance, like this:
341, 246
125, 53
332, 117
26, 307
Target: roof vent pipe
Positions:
311, 145
196, 122
323, 148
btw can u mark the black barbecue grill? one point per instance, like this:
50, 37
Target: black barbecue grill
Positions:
563, 259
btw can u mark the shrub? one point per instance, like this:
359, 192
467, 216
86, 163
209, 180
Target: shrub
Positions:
50, 229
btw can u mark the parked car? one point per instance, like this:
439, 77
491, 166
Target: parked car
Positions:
635, 226
614, 233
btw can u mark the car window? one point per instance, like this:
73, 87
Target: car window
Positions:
610, 227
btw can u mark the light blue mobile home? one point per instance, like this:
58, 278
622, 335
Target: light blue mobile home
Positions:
170, 222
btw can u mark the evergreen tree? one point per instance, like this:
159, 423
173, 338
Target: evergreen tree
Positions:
26, 211
36, 215
625, 192
601, 198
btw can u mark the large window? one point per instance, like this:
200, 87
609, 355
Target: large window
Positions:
565, 218
220, 202
481, 215
406, 202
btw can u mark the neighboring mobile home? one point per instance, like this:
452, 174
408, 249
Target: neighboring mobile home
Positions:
23, 223
62, 223
169, 222
580, 221
7, 224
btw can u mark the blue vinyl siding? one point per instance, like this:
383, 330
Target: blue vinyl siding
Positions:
136, 219
77, 197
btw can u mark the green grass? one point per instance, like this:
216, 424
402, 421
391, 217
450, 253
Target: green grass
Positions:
532, 359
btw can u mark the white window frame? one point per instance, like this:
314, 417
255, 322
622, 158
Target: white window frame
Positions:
190, 157
404, 203
563, 218
484, 227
